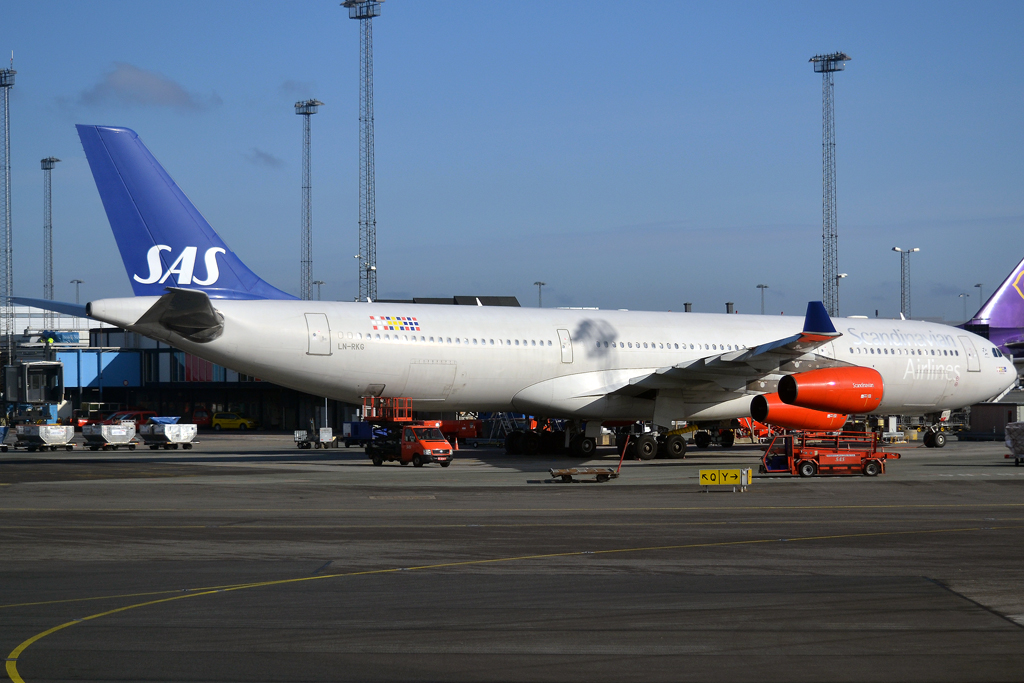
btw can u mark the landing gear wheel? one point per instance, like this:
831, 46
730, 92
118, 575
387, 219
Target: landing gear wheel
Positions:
531, 443
675, 446
587, 446
871, 468
647, 447
929, 439
939, 440
727, 438
417, 461
807, 469
514, 443
701, 439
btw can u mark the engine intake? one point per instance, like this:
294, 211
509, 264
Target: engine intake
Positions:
838, 390
770, 409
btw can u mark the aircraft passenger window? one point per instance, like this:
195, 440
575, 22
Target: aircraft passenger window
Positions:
677, 346
645, 345
458, 341
492, 342
606, 345
958, 353
508, 342
691, 346
714, 347
549, 342
378, 336
517, 342
359, 335
851, 349
707, 347
630, 344
533, 342
598, 344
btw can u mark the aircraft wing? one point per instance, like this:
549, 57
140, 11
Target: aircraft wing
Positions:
757, 370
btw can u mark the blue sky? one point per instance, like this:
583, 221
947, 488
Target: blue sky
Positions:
631, 155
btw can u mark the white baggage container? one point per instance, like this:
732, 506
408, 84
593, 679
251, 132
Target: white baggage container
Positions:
44, 437
168, 436
109, 436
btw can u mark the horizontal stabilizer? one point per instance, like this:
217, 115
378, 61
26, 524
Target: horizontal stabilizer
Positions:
77, 310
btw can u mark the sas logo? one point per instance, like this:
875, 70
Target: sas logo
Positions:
399, 323
183, 266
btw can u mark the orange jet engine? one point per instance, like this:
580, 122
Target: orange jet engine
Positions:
770, 409
840, 390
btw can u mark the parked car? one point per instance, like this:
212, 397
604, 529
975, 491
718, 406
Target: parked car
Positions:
139, 417
201, 417
231, 421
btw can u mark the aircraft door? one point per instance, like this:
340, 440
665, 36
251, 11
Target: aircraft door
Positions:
319, 334
972, 354
566, 342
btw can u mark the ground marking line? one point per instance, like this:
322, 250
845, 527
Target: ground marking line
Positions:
377, 510
12, 658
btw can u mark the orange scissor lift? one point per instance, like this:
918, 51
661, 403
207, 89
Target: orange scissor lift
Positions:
809, 453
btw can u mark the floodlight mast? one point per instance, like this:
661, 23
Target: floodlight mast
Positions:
47, 165
365, 11
306, 109
827, 65
7, 248
905, 279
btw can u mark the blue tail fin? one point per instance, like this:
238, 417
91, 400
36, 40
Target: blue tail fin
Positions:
164, 240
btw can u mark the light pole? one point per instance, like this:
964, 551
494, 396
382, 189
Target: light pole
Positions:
318, 283
76, 282
839, 276
964, 297
539, 286
905, 279
981, 299
762, 288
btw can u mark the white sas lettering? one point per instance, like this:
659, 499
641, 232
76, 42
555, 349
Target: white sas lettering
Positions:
183, 266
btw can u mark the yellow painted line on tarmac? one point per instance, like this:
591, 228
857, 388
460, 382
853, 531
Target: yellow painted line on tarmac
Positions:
12, 658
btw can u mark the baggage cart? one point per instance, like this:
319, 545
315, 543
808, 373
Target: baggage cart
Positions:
317, 438
109, 437
1015, 442
168, 436
600, 474
44, 437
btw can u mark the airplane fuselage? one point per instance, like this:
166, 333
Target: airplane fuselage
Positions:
560, 362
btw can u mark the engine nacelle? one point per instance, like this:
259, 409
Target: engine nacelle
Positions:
835, 390
770, 409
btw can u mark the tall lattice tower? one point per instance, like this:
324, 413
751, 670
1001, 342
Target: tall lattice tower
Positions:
47, 165
306, 109
365, 11
827, 65
7, 257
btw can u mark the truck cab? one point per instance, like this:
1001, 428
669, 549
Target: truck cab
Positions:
422, 444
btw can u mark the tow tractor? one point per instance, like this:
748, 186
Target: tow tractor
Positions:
397, 437
810, 453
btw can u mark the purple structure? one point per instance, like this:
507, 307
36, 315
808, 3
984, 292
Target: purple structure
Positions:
1001, 318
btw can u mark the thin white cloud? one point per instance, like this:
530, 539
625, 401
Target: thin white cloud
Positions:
128, 85
257, 157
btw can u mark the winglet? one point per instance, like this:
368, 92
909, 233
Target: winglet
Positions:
817, 323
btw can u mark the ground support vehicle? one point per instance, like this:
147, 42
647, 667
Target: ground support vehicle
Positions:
1015, 442
168, 436
600, 474
221, 421
356, 433
109, 437
461, 430
318, 438
399, 438
809, 453
44, 437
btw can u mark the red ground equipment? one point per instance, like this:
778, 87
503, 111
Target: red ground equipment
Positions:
810, 453
398, 437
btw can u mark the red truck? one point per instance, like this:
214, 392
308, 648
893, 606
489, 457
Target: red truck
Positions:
396, 437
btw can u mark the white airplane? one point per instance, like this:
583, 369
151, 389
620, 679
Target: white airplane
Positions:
590, 366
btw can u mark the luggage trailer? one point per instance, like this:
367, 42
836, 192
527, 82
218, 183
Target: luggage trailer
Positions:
809, 453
